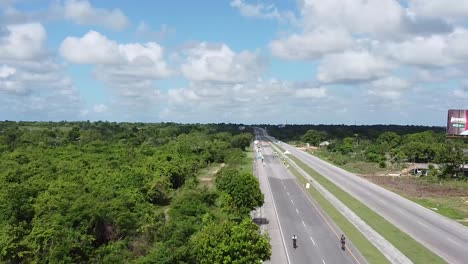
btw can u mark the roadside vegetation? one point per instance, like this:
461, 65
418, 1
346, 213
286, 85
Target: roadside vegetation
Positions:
385, 155
82, 192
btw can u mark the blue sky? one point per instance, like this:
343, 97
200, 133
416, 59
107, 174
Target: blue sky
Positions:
304, 61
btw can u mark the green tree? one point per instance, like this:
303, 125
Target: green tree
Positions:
243, 188
230, 242
314, 137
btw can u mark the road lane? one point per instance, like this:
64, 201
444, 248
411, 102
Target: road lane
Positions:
317, 242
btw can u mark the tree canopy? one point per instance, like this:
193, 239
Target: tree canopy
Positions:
105, 192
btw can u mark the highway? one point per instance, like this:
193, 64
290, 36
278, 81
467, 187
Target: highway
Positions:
297, 213
443, 236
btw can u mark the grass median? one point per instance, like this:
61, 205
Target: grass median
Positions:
402, 241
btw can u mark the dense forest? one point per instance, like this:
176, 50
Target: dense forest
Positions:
385, 145
295, 132
101, 192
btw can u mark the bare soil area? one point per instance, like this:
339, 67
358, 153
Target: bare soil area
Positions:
417, 188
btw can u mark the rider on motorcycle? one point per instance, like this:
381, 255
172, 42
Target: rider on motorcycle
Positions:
343, 240
294, 239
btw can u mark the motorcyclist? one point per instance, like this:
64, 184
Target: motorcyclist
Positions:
343, 240
294, 239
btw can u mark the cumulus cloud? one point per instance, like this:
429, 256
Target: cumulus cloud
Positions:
352, 66
447, 9
373, 16
80, 12
129, 70
83, 13
31, 79
23, 42
311, 45
121, 60
388, 88
217, 62
250, 100
435, 50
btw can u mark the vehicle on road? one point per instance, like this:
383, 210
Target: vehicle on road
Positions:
294, 240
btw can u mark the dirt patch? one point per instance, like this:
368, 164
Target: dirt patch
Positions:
206, 179
415, 187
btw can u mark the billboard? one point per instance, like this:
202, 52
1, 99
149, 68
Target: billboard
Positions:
457, 122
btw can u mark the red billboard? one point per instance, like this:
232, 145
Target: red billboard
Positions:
457, 122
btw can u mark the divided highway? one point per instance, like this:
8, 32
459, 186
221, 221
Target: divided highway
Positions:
443, 236
318, 236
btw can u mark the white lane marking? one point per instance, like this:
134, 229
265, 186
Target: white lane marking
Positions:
312, 240
292, 201
287, 193
421, 223
452, 241
323, 261
297, 211
303, 222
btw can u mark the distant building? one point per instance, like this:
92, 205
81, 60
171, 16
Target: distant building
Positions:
324, 144
421, 169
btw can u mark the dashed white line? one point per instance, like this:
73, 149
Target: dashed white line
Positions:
303, 222
421, 223
292, 201
312, 240
323, 261
452, 241
297, 211
287, 193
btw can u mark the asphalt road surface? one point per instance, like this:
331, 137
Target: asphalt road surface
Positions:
443, 236
318, 237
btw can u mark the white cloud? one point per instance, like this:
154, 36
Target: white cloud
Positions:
100, 108
435, 50
378, 17
6, 71
80, 12
352, 66
83, 13
129, 70
262, 11
133, 60
311, 45
388, 87
311, 93
448, 9
31, 79
213, 62
91, 48
24, 41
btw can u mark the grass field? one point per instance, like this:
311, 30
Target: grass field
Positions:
206, 176
449, 197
